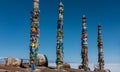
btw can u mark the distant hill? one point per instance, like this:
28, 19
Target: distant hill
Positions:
2, 60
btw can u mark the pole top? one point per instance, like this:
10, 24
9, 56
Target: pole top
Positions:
83, 17
61, 4
99, 25
36, 0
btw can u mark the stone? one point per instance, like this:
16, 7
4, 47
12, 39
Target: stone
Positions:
42, 60
66, 65
11, 61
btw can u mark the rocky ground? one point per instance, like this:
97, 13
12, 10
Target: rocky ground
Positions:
3, 68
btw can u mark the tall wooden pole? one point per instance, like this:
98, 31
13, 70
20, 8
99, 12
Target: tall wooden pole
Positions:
34, 35
59, 47
100, 48
84, 43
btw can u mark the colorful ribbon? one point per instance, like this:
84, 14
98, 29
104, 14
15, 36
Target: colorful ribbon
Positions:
84, 43
59, 47
100, 48
34, 35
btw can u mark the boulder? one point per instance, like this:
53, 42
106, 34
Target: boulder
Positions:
42, 60
11, 61
66, 66
83, 68
80, 67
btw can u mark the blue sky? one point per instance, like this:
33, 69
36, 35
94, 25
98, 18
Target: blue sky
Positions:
15, 28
